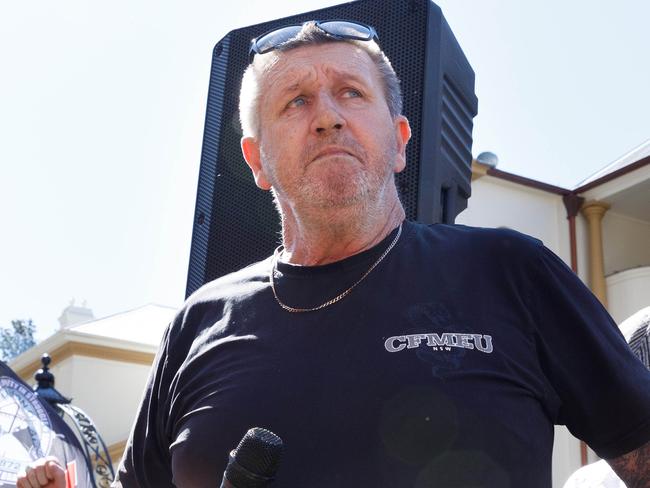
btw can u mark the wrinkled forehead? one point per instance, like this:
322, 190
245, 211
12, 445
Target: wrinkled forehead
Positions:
302, 64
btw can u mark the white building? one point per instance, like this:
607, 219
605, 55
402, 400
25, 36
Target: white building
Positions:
601, 229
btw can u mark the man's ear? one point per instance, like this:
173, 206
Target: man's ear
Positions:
250, 148
403, 135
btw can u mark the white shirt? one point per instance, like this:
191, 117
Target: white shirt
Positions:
596, 475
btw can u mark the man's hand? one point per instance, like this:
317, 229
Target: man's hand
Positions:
43, 473
634, 467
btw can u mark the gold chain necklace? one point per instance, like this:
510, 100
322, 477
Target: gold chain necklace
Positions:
337, 298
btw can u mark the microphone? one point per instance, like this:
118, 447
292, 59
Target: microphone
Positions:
254, 462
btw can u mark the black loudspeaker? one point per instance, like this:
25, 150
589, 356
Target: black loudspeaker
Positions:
236, 223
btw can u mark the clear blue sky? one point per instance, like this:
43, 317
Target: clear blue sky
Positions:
102, 107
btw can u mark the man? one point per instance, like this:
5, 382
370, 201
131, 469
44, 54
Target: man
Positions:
636, 330
385, 353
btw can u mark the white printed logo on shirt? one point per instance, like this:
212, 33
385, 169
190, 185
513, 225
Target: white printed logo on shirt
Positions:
440, 342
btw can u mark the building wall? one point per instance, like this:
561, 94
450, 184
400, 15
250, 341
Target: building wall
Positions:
497, 203
99, 383
628, 292
626, 242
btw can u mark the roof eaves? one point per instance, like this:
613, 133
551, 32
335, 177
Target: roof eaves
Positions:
522, 180
613, 175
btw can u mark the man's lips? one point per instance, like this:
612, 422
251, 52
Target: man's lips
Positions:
332, 151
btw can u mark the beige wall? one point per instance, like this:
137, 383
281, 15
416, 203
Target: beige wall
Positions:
496, 202
626, 242
109, 392
628, 292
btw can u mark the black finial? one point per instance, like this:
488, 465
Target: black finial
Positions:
45, 383
43, 377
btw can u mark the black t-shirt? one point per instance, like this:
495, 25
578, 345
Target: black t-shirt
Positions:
447, 366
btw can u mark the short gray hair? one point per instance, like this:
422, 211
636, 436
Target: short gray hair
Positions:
309, 35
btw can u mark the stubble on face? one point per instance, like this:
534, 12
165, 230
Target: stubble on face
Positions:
332, 181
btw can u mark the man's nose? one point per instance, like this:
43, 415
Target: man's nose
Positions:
327, 115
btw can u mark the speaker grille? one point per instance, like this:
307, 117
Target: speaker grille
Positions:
456, 126
205, 197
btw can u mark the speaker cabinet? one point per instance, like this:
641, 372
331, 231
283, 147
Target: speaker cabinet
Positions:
236, 224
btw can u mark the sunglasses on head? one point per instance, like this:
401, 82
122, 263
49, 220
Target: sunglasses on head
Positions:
338, 29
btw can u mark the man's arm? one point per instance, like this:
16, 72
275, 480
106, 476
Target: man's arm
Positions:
634, 467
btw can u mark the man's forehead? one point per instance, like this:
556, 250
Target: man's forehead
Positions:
340, 59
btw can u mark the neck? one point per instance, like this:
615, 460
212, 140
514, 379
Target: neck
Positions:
326, 236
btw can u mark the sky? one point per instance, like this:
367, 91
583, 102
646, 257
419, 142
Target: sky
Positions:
102, 106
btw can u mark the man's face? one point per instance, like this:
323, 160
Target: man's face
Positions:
326, 136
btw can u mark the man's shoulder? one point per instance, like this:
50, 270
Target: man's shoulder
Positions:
241, 282
476, 240
212, 300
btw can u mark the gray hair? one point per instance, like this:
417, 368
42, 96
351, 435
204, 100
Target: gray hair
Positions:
311, 34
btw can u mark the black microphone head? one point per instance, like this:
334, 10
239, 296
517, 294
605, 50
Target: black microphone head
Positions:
255, 461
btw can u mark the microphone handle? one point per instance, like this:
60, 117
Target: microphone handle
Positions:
243, 477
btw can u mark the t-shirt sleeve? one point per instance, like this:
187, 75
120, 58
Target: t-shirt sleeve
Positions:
603, 389
146, 460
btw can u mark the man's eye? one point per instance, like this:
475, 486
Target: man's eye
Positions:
352, 93
297, 102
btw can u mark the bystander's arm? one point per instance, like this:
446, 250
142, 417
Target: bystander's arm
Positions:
634, 467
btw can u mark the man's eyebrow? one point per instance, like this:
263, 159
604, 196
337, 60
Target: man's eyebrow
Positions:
348, 75
292, 85
295, 84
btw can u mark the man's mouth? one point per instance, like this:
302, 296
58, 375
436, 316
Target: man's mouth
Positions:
333, 151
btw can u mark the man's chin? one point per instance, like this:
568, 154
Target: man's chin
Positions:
336, 198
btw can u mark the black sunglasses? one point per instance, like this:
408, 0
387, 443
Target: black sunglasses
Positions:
338, 29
